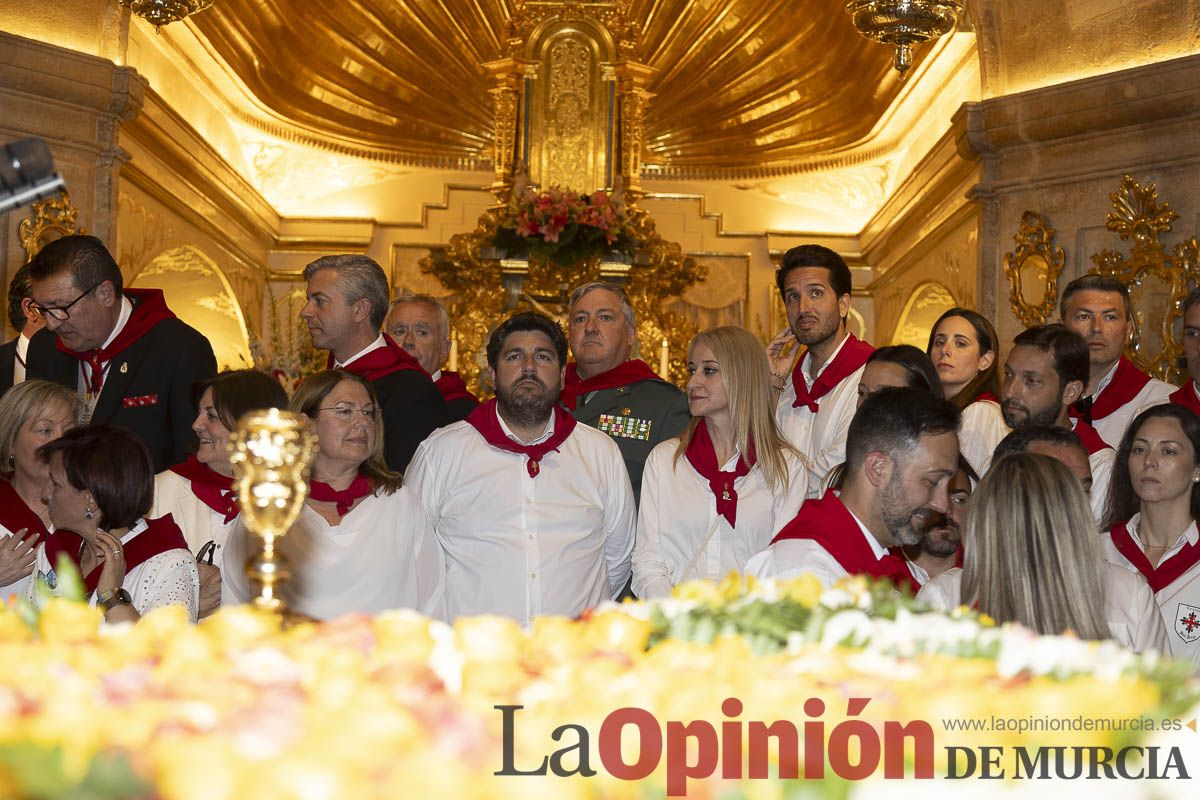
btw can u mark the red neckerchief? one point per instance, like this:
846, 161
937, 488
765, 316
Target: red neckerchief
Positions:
149, 309
451, 385
854, 354
703, 457
485, 420
1186, 396
830, 524
345, 498
1167, 572
620, 375
210, 487
15, 514
1090, 438
1126, 382
380, 362
986, 397
161, 535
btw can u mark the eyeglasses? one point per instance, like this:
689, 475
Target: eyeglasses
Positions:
60, 313
346, 411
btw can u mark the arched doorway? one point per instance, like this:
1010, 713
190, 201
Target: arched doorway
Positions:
926, 303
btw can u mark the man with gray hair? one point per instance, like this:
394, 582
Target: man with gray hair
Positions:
605, 389
419, 324
347, 301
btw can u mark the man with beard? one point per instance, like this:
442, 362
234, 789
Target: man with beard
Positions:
901, 453
1046, 371
347, 303
940, 547
818, 394
1189, 394
1098, 308
608, 390
534, 512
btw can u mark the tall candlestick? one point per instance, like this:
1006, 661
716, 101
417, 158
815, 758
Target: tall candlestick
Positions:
664, 362
454, 353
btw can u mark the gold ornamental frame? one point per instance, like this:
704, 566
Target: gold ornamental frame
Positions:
1035, 244
1138, 215
52, 218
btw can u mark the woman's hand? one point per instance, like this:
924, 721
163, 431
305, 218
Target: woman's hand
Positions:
17, 556
111, 555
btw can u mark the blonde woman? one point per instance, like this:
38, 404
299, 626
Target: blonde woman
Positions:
716, 495
361, 543
1033, 557
32, 413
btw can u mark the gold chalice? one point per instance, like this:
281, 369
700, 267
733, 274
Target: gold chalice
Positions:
271, 453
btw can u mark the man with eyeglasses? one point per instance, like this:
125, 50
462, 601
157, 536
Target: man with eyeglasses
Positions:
347, 303
131, 359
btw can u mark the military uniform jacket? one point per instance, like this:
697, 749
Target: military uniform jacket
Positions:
637, 416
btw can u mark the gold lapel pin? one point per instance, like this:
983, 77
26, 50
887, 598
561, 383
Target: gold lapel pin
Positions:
124, 367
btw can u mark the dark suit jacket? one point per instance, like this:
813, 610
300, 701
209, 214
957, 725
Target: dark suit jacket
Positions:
8, 359
148, 389
412, 409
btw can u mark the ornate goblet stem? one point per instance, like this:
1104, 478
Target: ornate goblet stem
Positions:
271, 453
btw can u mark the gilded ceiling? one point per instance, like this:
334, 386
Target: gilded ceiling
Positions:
742, 87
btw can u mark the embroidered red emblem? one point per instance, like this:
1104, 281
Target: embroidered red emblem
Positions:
141, 400
1190, 622
534, 468
1187, 623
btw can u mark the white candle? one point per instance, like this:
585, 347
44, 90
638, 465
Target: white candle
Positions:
453, 353
664, 362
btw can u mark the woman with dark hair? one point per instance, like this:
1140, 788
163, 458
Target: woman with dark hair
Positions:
898, 365
1153, 505
198, 493
965, 349
361, 542
100, 489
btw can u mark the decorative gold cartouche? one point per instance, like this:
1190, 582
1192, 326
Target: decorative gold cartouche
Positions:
271, 453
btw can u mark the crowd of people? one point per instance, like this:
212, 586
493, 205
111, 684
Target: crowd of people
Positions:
1045, 481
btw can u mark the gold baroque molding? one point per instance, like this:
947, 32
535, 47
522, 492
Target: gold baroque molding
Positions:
1035, 265
50, 219
1158, 280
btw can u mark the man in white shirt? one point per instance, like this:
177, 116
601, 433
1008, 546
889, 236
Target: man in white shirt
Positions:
533, 511
1046, 371
818, 395
347, 302
26, 323
1098, 308
901, 453
420, 324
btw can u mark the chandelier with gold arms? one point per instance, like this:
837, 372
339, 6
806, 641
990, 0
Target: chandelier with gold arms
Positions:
903, 23
164, 12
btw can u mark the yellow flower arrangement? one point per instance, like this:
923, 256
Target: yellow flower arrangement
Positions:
398, 705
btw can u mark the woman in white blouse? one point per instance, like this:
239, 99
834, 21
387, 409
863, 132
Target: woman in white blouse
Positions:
100, 488
1032, 557
717, 494
965, 350
198, 493
361, 543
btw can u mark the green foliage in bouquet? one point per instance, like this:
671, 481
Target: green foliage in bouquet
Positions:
564, 227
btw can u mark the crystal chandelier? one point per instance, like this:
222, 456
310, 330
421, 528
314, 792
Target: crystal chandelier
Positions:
164, 12
903, 23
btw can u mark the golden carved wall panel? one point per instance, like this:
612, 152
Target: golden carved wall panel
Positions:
1158, 281
567, 120
49, 219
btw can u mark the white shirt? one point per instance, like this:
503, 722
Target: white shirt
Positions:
793, 557
169, 578
1179, 602
680, 535
821, 437
1112, 427
375, 345
1102, 466
524, 547
380, 556
982, 429
199, 523
1131, 614
19, 361
88, 406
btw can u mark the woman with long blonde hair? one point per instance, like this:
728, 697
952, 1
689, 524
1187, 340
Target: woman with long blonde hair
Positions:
361, 543
1032, 557
717, 494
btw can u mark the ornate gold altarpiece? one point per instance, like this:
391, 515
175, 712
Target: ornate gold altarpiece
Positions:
568, 102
